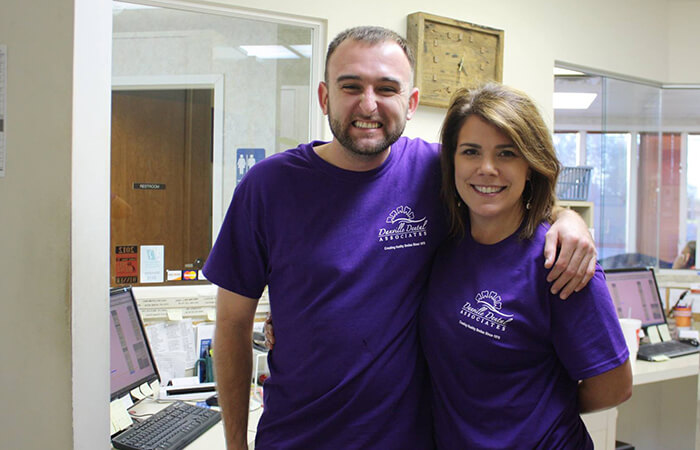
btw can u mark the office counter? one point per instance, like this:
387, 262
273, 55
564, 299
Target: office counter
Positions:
662, 412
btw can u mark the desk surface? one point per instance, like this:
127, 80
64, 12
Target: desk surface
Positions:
651, 372
645, 372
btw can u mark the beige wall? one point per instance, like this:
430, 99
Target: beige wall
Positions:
54, 225
35, 224
684, 41
54, 198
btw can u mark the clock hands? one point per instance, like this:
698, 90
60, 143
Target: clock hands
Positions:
461, 68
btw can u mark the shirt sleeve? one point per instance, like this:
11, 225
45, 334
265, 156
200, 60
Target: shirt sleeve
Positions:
586, 332
238, 259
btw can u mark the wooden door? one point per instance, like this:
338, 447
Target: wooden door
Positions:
161, 179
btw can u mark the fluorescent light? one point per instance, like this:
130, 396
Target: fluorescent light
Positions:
221, 52
303, 50
562, 71
120, 6
269, 51
573, 100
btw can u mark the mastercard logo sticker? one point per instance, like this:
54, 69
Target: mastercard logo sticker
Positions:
189, 275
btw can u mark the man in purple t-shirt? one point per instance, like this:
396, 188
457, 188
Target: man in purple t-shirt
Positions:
343, 234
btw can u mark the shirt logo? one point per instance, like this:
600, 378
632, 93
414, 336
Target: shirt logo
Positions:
403, 229
484, 315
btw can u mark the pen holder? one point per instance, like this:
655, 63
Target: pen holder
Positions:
684, 316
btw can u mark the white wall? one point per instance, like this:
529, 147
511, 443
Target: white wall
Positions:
624, 36
53, 213
89, 252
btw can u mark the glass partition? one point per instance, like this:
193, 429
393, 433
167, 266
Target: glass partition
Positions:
643, 142
200, 95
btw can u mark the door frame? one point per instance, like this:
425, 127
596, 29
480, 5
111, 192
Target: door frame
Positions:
212, 81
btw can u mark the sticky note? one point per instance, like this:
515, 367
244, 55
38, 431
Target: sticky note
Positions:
174, 314
653, 334
119, 415
663, 332
137, 394
146, 389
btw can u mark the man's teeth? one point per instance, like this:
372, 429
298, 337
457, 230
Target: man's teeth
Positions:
360, 124
488, 189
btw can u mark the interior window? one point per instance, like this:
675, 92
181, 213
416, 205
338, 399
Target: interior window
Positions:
199, 97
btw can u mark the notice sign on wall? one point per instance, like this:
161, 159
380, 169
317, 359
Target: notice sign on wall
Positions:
246, 158
126, 264
152, 263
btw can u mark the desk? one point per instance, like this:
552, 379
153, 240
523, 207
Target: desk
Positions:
662, 412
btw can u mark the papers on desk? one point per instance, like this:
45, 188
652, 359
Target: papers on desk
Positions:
173, 347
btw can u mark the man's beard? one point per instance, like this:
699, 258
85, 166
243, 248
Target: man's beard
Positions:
343, 136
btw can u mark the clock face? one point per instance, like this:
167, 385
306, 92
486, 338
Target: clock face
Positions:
453, 55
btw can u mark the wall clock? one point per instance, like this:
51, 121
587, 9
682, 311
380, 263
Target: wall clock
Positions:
451, 54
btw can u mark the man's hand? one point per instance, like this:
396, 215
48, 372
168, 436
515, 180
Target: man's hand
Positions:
269, 332
575, 265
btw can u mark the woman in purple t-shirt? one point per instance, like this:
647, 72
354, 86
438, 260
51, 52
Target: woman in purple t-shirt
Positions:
512, 366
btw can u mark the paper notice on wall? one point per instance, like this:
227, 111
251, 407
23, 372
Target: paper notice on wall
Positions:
3, 107
152, 263
126, 264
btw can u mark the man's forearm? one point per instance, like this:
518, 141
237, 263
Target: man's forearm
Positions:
233, 366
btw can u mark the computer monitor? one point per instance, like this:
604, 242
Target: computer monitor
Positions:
636, 295
131, 361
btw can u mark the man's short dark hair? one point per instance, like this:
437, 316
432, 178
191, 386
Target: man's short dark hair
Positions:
370, 35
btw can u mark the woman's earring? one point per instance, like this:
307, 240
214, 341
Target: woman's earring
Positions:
529, 200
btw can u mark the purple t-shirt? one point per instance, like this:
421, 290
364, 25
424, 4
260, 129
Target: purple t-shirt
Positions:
504, 354
346, 257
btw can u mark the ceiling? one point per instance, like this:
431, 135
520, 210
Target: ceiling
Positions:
628, 104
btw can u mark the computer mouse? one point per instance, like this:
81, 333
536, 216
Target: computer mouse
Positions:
691, 341
213, 400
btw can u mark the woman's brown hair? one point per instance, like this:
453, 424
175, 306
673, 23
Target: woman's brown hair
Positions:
516, 116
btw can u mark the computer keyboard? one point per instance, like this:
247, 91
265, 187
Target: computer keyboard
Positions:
668, 348
171, 428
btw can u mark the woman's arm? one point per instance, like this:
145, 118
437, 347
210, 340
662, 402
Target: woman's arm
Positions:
606, 390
